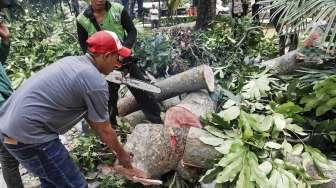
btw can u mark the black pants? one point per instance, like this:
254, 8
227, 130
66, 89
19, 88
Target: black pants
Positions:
145, 100
10, 168
155, 24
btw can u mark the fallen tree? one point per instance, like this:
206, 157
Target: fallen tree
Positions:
195, 79
292, 61
151, 143
138, 117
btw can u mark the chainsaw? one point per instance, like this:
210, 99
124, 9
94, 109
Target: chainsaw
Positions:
119, 78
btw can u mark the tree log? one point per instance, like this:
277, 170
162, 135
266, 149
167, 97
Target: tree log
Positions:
150, 143
138, 117
153, 154
196, 153
291, 61
200, 77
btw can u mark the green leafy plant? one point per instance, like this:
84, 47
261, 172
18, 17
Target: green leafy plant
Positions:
255, 142
323, 98
154, 53
89, 152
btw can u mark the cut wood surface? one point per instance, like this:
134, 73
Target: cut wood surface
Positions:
151, 143
195, 79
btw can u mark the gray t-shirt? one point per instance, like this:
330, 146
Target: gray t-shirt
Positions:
53, 100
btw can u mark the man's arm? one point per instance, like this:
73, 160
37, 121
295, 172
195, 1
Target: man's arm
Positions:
128, 25
82, 37
109, 137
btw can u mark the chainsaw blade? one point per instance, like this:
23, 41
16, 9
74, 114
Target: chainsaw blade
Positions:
134, 83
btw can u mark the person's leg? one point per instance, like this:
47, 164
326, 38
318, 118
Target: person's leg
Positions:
10, 169
50, 162
152, 24
125, 4
145, 99
294, 41
282, 44
140, 9
113, 102
132, 8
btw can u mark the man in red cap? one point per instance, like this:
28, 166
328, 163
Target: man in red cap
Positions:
52, 101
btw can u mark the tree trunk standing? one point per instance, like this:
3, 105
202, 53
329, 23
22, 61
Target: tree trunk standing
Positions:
206, 10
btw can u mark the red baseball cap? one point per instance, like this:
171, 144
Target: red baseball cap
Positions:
107, 41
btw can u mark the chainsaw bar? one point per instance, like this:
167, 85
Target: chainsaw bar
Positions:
133, 83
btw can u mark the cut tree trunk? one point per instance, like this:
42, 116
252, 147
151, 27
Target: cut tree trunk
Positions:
153, 154
195, 79
290, 62
196, 153
138, 117
151, 143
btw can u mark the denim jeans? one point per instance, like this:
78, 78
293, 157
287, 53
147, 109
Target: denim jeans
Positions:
49, 161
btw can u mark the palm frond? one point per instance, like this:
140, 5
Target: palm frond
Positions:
307, 15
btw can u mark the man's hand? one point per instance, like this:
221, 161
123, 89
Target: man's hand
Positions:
109, 137
4, 33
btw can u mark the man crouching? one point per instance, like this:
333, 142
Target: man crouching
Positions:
52, 101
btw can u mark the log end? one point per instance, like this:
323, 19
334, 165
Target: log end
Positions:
209, 78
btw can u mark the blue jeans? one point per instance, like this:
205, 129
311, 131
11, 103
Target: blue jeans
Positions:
49, 161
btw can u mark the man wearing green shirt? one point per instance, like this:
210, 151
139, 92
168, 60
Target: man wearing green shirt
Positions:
10, 166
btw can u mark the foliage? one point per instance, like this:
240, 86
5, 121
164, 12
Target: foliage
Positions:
170, 21
323, 98
112, 182
254, 138
294, 15
154, 53
89, 151
37, 42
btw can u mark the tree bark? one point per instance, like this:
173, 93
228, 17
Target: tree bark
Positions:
200, 77
206, 10
291, 61
138, 117
150, 143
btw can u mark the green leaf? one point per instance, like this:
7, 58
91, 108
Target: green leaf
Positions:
272, 145
230, 113
265, 167
229, 103
216, 132
225, 147
322, 109
230, 171
279, 122
212, 141
288, 108
229, 158
287, 147
266, 124
244, 177
210, 175
296, 129
297, 149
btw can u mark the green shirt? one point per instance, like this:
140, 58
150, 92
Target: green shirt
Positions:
5, 85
